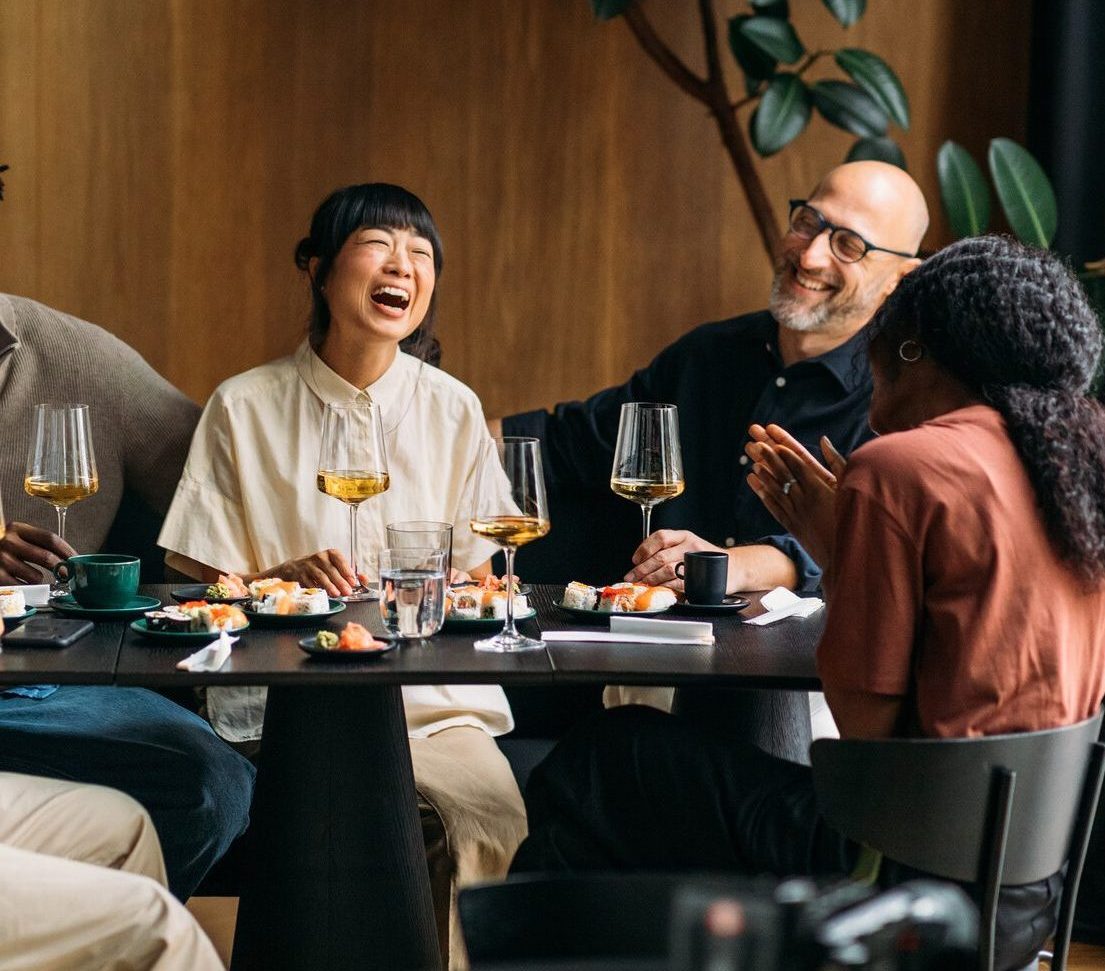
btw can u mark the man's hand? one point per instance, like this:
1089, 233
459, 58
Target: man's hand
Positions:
24, 547
328, 569
797, 490
656, 557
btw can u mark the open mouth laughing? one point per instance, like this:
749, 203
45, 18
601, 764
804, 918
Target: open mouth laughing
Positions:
394, 297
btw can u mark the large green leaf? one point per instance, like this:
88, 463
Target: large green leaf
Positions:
878, 79
757, 65
609, 9
877, 150
776, 38
1025, 193
782, 114
963, 190
846, 11
850, 108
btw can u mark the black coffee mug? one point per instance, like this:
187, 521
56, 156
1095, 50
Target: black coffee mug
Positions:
704, 575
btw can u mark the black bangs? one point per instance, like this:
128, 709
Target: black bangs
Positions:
370, 205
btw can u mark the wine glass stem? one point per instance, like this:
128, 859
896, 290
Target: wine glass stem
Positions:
646, 520
353, 546
61, 510
509, 629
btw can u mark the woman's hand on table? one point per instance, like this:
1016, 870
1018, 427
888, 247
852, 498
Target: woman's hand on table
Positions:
797, 490
328, 569
23, 548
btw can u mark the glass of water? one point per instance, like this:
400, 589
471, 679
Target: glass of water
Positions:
423, 534
412, 591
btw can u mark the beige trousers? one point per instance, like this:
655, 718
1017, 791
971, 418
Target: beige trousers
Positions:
473, 819
82, 884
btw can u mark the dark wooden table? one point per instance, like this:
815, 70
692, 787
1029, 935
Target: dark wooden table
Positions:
340, 879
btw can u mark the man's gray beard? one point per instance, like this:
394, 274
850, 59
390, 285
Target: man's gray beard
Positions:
792, 314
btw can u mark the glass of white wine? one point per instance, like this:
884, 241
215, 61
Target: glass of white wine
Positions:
61, 463
353, 467
648, 462
510, 509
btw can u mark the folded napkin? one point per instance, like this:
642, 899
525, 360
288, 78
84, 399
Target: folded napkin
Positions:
36, 595
625, 629
782, 603
209, 658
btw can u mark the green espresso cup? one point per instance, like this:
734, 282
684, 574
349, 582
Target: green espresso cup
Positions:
102, 581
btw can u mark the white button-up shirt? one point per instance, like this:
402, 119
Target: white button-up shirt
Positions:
248, 501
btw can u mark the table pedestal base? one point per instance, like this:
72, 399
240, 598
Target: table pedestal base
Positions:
340, 877
777, 722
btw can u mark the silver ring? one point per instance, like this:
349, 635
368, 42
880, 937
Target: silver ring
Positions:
787, 485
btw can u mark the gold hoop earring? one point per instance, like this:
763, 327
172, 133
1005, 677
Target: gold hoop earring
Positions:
915, 351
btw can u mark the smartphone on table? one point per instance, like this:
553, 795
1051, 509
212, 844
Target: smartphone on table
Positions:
47, 632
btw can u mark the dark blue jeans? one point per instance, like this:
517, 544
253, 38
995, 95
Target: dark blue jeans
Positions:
196, 788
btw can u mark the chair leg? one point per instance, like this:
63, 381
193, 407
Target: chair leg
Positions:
1003, 782
1080, 841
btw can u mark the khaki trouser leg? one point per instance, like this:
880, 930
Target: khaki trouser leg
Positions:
61, 915
473, 820
93, 824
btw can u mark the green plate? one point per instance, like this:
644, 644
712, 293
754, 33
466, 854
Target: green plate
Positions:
68, 607
283, 621
19, 618
309, 645
460, 624
181, 636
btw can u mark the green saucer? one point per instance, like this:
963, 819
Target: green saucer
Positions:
68, 607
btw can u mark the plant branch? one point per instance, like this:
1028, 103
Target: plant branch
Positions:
714, 93
663, 55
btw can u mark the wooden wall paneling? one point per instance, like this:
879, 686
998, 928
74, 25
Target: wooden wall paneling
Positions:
175, 149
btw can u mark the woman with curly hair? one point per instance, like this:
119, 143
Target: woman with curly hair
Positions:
965, 578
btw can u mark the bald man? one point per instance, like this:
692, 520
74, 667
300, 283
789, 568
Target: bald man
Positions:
799, 364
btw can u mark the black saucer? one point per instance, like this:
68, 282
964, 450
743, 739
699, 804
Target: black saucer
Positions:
730, 605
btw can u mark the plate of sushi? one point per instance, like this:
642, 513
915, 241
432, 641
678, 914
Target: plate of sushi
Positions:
482, 605
13, 606
230, 589
354, 641
197, 620
284, 603
596, 604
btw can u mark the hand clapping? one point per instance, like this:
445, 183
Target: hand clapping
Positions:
797, 490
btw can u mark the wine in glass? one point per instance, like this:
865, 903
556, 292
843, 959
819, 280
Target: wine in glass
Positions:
61, 463
353, 467
510, 509
648, 463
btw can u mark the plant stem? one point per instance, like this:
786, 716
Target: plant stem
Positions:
714, 93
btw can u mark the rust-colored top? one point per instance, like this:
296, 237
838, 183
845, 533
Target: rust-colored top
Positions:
944, 584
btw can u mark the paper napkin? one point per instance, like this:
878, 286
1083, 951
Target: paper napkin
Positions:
625, 629
36, 595
782, 603
209, 658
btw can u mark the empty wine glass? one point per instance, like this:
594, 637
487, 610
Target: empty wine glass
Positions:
353, 467
510, 509
648, 462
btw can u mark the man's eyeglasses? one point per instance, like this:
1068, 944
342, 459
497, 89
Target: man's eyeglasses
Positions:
847, 245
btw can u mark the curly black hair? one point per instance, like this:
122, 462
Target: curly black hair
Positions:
1015, 327
342, 213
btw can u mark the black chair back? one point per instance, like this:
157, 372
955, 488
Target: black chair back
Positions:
995, 811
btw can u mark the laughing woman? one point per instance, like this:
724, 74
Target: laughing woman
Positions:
372, 259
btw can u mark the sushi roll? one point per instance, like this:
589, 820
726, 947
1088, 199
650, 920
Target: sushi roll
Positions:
312, 600
202, 620
654, 598
617, 599
466, 604
579, 596
172, 619
12, 602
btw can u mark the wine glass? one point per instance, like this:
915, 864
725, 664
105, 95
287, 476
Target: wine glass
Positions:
510, 509
61, 463
352, 467
648, 463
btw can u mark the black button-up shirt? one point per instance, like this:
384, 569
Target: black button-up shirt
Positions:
724, 377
